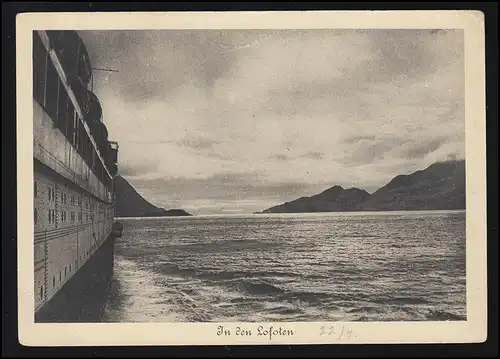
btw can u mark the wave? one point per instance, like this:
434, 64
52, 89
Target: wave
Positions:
401, 300
361, 235
388, 314
367, 309
285, 310
444, 315
256, 287
345, 272
211, 274
225, 245
313, 298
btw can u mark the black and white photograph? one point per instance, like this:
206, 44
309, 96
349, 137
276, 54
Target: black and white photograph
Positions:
249, 175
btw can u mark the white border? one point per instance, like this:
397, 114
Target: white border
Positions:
472, 330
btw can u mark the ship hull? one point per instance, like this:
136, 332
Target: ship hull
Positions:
83, 298
74, 201
74, 257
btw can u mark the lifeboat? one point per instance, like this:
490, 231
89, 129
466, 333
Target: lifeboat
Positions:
93, 112
93, 117
72, 54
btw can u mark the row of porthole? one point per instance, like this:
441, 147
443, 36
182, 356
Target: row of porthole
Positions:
60, 275
54, 279
65, 272
63, 216
51, 194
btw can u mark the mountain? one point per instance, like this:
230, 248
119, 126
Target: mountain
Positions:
332, 200
440, 186
129, 203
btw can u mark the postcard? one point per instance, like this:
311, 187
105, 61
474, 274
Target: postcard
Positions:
227, 178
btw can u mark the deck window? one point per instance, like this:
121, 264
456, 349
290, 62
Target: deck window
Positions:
76, 127
62, 108
39, 69
69, 116
52, 91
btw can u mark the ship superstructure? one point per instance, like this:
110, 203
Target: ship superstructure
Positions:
74, 164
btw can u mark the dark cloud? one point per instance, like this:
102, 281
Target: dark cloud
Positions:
133, 170
409, 54
357, 139
422, 148
153, 64
313, 155
360, 155
198, 143
280, 157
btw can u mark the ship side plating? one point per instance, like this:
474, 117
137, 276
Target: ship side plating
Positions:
74, 166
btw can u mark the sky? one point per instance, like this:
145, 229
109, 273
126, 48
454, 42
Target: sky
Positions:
236, 121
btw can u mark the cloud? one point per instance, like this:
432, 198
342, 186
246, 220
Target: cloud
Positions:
154, 64
246, 110
313, 155
198, 143
280, 157
420, 150
240, 191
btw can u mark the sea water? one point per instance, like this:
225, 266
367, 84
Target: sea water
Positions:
371, 266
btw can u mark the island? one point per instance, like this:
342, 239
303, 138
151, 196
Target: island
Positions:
441, 186
129, 203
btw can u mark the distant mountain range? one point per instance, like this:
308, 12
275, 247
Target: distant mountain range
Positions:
441, 186
129, 203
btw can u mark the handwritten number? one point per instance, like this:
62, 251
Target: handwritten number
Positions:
343, 333
332, 330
